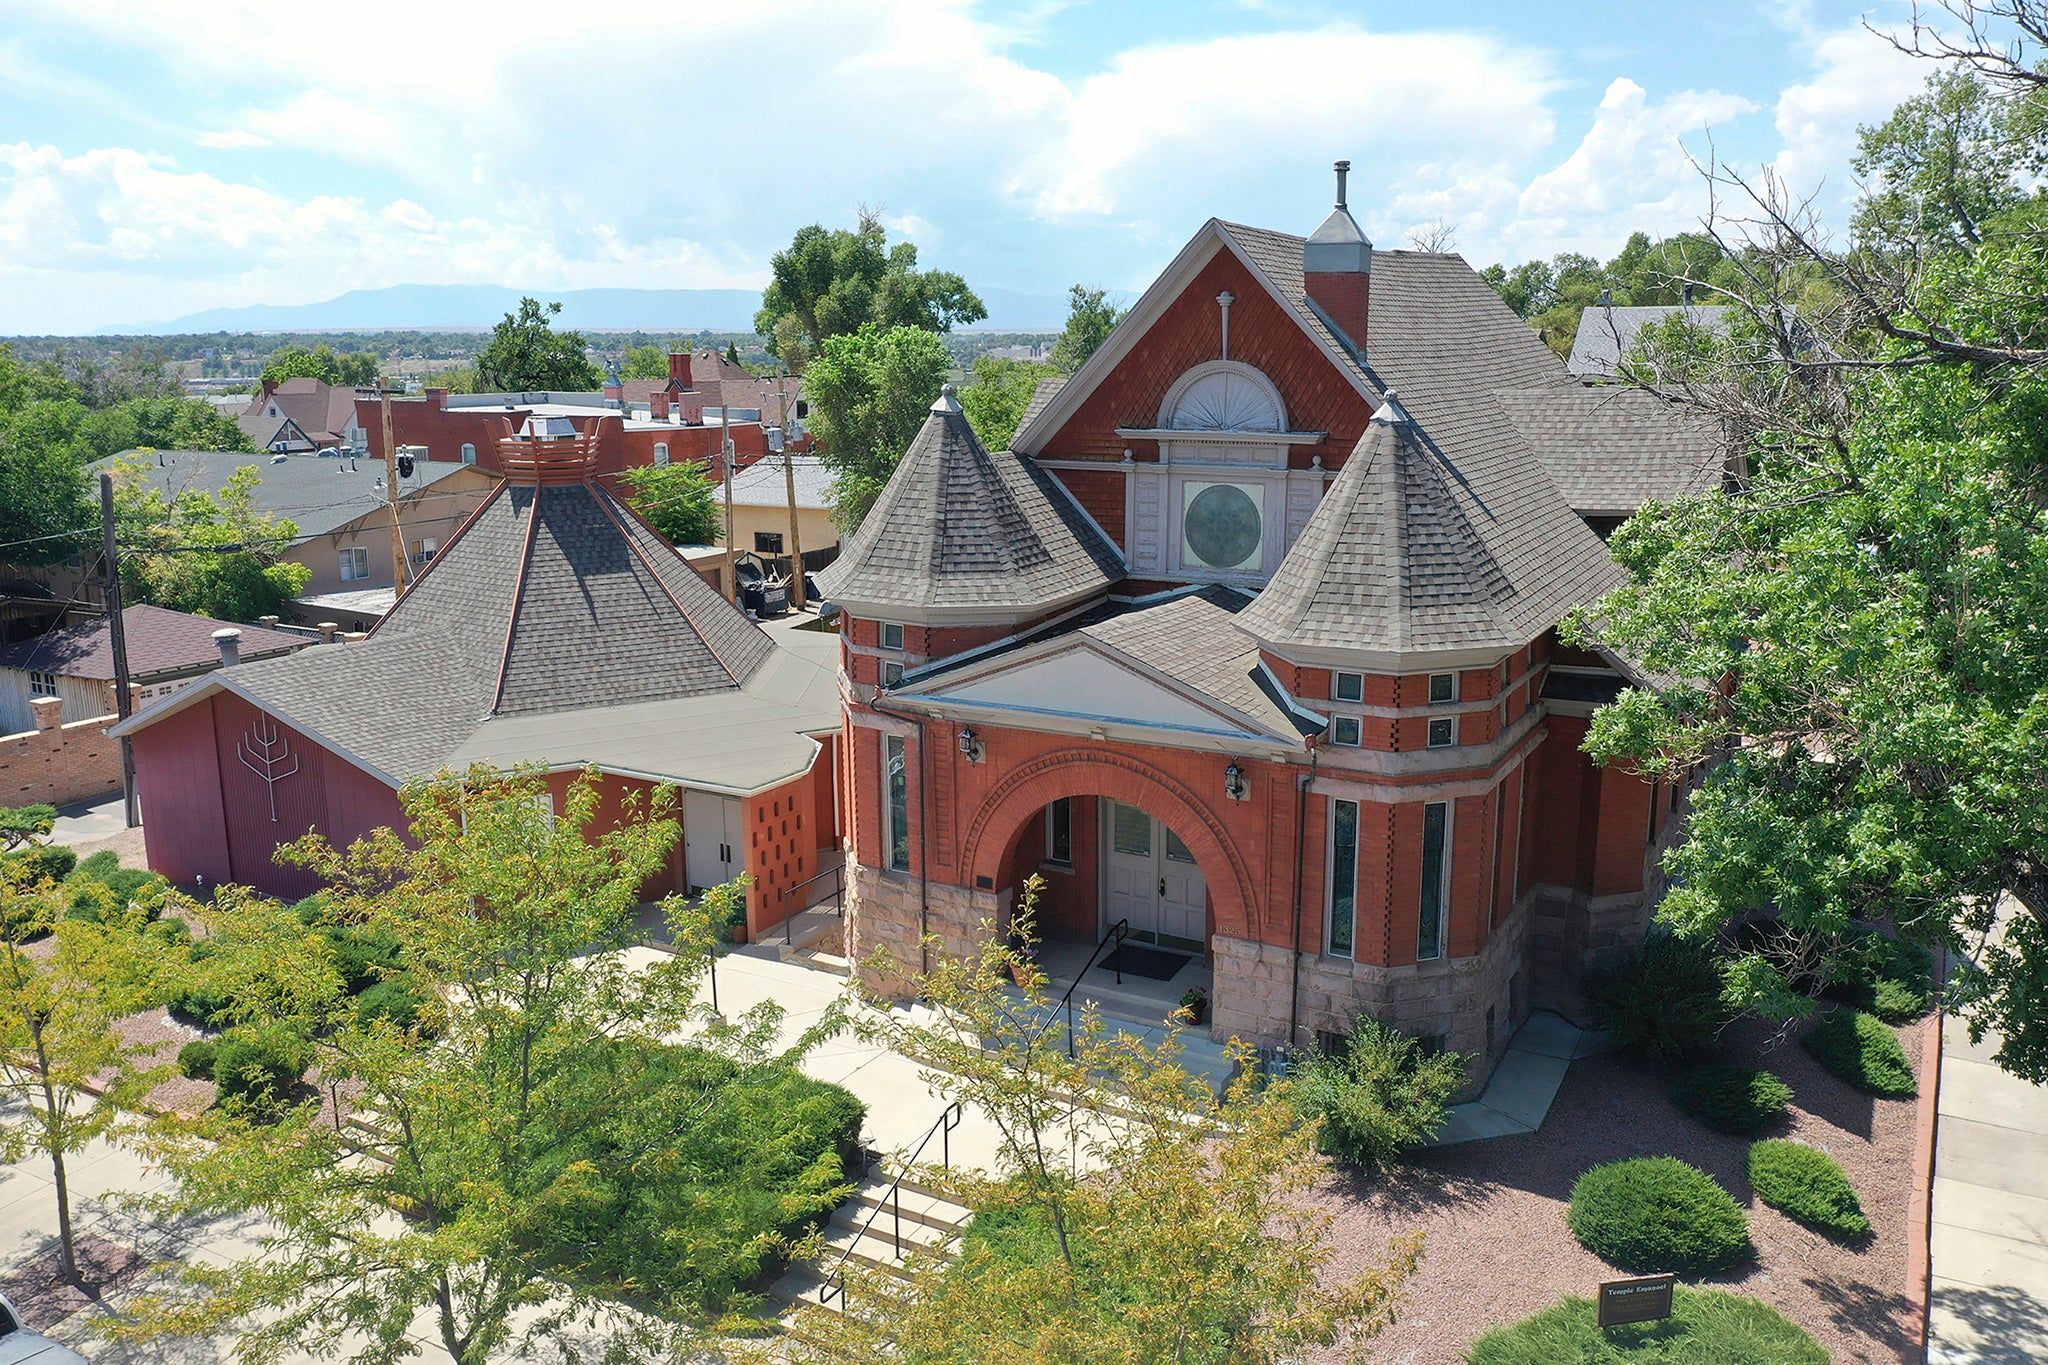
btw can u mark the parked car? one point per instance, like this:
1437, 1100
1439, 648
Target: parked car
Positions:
18, 1344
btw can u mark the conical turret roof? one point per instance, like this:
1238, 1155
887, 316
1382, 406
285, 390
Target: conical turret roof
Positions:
962, 528
1403, 556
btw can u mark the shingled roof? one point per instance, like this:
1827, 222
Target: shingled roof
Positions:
1610, 448
553, 605
961, 528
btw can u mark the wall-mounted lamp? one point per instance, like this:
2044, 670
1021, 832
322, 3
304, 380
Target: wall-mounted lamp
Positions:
971, 745
1234, 785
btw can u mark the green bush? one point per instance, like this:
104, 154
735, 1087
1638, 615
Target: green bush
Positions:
1660, 999
362, 956
1654, 1214
1863, 1050
203, 1005
1888, 977
1806, 1183
99, 866
1732, 1099
195, 1060
95, 892
1896, 1002
393, 1000
1706, 1327
43, 862
259, 1072
1377, 1095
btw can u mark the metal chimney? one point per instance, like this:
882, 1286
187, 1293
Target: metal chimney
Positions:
229, 641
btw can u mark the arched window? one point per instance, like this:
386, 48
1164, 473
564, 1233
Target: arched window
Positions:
1223, 395
468, 452
661, 452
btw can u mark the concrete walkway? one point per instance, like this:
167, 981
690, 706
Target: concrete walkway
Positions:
1518, 1094
1988, 1253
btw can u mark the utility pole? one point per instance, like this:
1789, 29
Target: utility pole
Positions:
725, 459
123, 706
796, 540
399, 576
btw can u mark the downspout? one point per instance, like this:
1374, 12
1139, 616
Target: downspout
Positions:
924, 885
1300, 870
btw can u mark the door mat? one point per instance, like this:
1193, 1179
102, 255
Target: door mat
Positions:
1135, 960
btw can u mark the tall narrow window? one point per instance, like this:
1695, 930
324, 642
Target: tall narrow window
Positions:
896, 781
1059, 832
1436, 879
1343, 876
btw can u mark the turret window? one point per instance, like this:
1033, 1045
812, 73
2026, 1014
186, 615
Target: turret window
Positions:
1343, 916
1443, 732
1443, 687
1349, 687
1436, 880
1345, 730
892, 635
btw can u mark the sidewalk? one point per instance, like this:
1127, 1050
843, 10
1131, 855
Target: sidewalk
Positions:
1988, 1304
1518, 1095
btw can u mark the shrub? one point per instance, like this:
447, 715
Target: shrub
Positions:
362, 956
1862, 1050
196, 1059
1377, 1095
43, 862
1706, 1325
1732, 1099
1660, 999
393, 1000
1896, 1002
1888, 977
257, 1072
99, 866
1654, 1214
202, 1004
1806, 1183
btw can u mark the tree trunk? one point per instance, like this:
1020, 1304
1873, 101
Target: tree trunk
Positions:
53, 1142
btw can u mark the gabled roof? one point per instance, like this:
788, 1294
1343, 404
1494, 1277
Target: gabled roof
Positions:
1611, 448
321, 410
1415, 550
1607, 333
316, 493
962, 530
765, 483
556, 608
158, 640
1176, 672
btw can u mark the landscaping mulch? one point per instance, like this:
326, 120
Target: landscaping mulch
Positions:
43, 1297
1498, 1249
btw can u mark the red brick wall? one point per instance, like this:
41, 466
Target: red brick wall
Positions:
1345, 297
443, 431
57, 766
1263, 334
781, 832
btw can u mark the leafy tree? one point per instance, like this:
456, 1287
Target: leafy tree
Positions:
210, 554
1554, 294
67, 1071
645, 362
836, 282
732, 352
870, 391
679, 500
1943, 166
525, 353
1855, 635
1001, 391
1145, 1219
1090, 319
515, 1108
25, 825
295, 361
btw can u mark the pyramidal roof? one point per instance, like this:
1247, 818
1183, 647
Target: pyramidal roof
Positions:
552, 597
1403, 556
962, 528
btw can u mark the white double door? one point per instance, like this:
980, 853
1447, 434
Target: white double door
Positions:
1150, 879
712, 855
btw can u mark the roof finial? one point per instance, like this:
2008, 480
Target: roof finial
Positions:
948, 402
1343, 174
1390, 411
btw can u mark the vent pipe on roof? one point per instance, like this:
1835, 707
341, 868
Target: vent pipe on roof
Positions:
1343, 174
229, 641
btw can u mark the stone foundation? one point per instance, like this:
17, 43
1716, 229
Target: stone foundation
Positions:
883, 914
1472, 1005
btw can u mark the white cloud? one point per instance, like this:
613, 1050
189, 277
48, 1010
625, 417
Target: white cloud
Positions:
1858, 79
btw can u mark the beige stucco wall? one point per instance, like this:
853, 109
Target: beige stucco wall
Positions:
815, 525
436, 513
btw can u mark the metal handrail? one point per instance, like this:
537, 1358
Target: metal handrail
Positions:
838, 899
948, 1120
1118, 934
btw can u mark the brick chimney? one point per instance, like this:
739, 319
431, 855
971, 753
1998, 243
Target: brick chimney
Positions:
614, 387
1336, 266
48, 711
229, 642
679, 368
438, 397
657, 405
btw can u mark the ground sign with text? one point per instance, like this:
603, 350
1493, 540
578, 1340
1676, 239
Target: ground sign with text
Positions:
1643, 1299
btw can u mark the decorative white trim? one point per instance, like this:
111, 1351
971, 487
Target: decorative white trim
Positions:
1177, 392
1202, 435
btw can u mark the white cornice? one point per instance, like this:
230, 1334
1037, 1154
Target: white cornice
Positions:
1213, 436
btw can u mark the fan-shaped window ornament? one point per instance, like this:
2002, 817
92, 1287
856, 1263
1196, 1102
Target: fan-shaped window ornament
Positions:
1229, 397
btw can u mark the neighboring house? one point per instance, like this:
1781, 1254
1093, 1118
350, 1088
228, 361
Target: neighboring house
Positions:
167, 651
322, 413
760, 508
340, 509
1258, 660
555, 629
278, 435
1606, 333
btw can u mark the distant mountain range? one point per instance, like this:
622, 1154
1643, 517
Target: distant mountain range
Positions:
467, 307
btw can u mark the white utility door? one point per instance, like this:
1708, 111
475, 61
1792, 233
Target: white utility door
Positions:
1150, 879
711, 839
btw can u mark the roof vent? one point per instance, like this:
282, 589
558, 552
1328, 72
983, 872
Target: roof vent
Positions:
229, 641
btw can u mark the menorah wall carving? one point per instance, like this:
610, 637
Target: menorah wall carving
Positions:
267, 755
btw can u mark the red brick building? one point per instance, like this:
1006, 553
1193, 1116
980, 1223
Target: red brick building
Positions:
1241, 649
554, 631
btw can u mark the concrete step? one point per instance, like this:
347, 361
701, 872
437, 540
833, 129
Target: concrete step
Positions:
852, 1218
822, 929
831, 963
919, 1203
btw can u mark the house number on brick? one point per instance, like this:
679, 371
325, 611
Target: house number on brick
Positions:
269, 756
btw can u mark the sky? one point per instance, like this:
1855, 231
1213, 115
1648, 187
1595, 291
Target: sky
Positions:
157, 159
